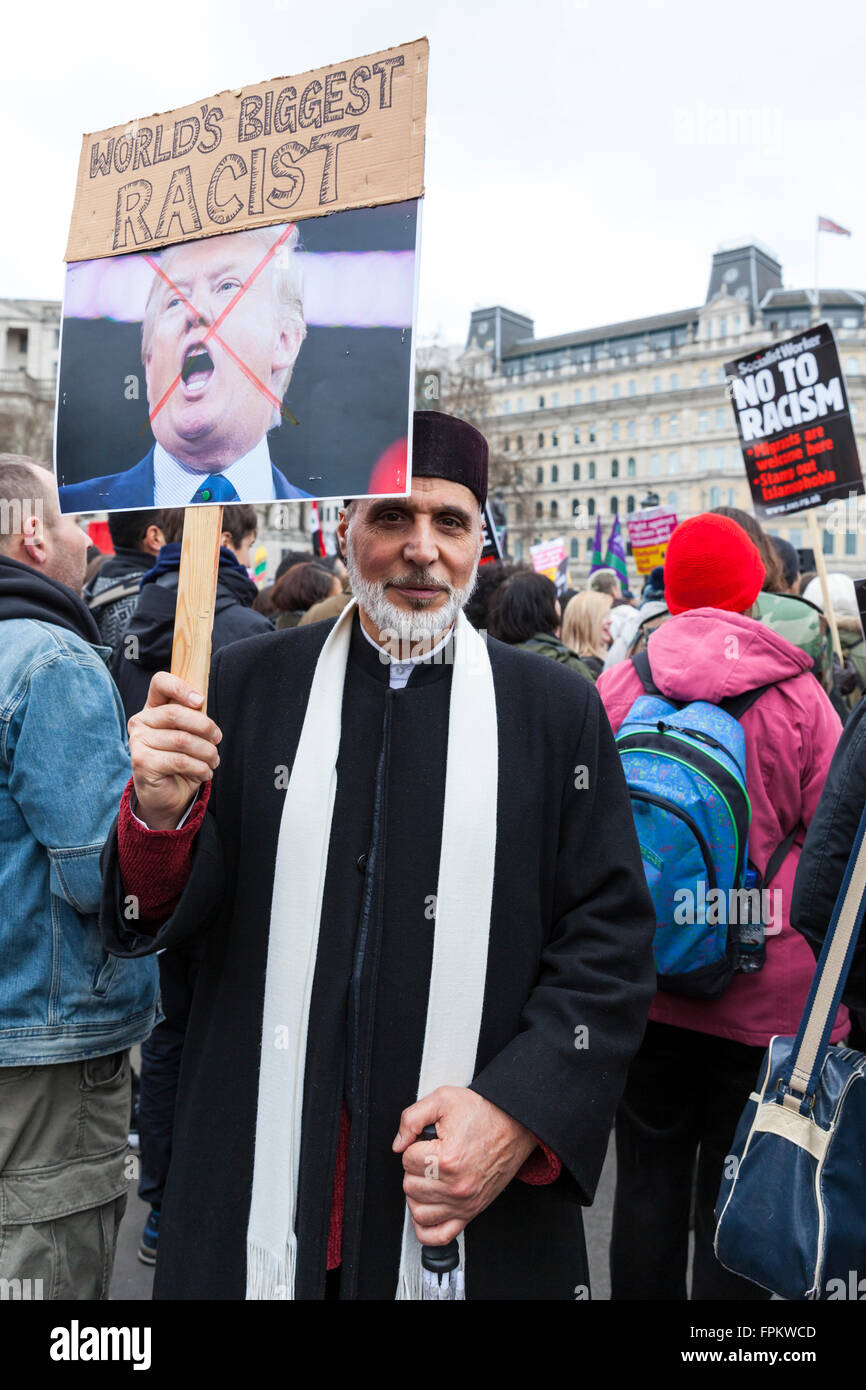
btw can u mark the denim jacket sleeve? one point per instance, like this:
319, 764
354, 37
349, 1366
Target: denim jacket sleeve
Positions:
69, 762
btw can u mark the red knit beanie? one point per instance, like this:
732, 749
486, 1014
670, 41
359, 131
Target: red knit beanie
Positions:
712, 563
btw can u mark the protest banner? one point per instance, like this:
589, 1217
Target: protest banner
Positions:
796, 433
490, 547
649, 532
239, 306
794, 423
550, 558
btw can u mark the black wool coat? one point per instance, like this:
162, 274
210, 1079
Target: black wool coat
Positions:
570, 973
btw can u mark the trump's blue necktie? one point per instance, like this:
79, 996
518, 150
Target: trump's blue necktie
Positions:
215, 488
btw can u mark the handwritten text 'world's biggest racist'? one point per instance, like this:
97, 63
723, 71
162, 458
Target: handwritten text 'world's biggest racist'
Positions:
249, 182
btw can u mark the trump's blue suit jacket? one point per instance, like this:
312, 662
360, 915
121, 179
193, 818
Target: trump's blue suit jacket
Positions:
134, 488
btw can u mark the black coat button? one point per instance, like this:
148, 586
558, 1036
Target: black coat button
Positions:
361, 863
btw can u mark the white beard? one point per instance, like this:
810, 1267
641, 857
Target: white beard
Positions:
397, 628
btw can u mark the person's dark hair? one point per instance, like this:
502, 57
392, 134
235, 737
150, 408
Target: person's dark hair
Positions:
488, 580
805, 580
788, 558
774, 582
654, 585
262, 602
302, 586
523, 606
170, 522
240, 521
292, 557
128, 529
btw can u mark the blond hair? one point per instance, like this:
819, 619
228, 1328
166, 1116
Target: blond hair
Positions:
583, 620
286, 283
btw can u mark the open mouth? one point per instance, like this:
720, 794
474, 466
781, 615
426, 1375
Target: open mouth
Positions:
197, 369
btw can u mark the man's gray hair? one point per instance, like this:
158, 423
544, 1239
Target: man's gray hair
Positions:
605, 582
286, 281
24, 492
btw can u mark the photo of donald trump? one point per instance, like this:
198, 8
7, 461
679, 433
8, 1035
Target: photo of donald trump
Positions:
223, 325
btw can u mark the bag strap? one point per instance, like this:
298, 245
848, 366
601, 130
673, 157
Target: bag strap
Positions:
777, 858
641, 663
797, 1092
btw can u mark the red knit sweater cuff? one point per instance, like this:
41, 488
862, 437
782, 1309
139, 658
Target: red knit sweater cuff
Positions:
155, 864
541, 1167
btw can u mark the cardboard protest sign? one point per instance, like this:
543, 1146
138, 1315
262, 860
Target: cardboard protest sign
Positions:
490, 547
255, 348
795, 426
649, 532
345, 136
550, 558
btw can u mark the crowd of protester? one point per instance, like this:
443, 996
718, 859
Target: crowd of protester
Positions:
78, 655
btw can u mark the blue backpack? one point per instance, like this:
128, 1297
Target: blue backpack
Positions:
685, 765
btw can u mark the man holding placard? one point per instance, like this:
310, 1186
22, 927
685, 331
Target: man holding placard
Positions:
378, 953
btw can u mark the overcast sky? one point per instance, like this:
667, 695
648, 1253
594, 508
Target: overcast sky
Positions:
584, 157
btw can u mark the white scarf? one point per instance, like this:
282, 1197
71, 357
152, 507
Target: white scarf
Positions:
462, 925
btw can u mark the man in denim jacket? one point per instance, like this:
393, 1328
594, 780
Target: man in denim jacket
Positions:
68, 1012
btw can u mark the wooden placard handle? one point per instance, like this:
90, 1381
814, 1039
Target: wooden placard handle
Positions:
829, 614
196, 595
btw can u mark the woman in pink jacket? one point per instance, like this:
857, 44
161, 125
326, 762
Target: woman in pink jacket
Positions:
700, 1058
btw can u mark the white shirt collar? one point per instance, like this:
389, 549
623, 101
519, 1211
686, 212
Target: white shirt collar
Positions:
175, 484
400, 671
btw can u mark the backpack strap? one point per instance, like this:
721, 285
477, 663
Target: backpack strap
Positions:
122, 589
777, 858
641, 663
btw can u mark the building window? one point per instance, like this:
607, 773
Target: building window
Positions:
576, 435
590, 507
720, 374
655, 463
590, 438
630, 468
852, 366
518, 509
539, 509
722, 418
554, 473
850, 542
575, 506
715, 497
629, 503
539, 474
675, 382
554, 440
719, 457
519, 442
656, 427
673, 462
673, 499
614, 430
591, 470
674, 424
704, 378
540, 402
614, 506
506, 408
656, 385
520, 404
593, 394
575, 548
631, 429
828, 543
554, 508
703, 458
723, 328
506, 444
730, 497
614, 468
575, 472
589, 545
554, 400
738, 323
703, 421
617, 391
632, 388
578, 396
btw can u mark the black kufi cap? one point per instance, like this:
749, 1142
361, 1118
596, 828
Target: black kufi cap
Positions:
445, 447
